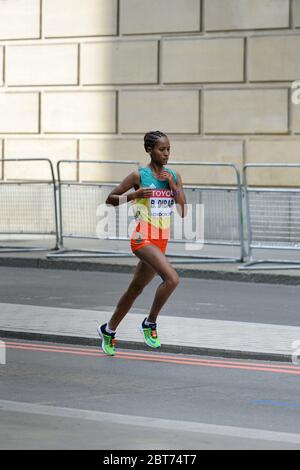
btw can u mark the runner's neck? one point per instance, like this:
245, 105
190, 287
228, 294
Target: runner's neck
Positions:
155, 170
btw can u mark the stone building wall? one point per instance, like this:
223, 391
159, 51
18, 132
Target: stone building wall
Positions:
86, 79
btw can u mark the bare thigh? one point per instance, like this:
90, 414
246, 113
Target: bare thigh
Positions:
155, 259
143, 275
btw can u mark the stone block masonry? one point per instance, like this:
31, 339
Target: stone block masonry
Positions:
53, 64
225, 15
159, 16
19, 113
297, 13
203, 60
77, 18
79, 112
119, 62
246, 111
19, 19
1, 65
86, 80
274, 58
174, 111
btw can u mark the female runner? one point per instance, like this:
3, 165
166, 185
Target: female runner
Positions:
157, 188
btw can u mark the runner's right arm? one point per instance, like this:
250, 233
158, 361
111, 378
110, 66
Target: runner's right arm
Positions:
116, 197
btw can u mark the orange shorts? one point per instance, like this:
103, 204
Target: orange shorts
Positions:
146, 234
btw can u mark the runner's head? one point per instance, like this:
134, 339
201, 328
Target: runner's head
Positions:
157, 144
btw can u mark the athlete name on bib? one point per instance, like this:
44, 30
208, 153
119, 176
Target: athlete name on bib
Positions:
161, 203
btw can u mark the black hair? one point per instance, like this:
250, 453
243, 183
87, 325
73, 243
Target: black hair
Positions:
151, 138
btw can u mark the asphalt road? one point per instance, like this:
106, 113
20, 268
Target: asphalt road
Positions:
62, 397
195, 298
71, 397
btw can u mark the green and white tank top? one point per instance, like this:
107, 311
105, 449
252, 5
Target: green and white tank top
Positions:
158, 208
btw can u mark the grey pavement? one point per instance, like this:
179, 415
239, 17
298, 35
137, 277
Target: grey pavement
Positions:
178, 334
246, 337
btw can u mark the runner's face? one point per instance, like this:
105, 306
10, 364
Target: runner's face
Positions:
161, 151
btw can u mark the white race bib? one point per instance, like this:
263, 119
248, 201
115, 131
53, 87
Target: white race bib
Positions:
161, 203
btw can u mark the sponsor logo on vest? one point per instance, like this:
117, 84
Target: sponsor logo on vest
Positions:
162, 193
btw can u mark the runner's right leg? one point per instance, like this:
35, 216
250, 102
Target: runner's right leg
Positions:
142, 277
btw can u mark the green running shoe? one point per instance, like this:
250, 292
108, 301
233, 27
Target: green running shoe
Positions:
108, 341
150, 334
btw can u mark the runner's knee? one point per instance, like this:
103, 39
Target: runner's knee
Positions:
172, 280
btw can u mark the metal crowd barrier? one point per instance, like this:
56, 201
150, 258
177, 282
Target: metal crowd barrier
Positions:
273, 216
28, 208
223, 216
78, 203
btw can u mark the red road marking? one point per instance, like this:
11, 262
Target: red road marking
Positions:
158, 358
156, 355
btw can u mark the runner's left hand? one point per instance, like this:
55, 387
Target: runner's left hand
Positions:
166, 176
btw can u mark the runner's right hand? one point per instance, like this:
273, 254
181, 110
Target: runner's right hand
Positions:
143, 193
